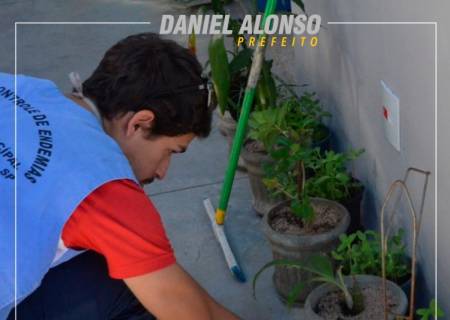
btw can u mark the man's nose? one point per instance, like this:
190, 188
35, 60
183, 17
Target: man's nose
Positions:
160, 175
162, 170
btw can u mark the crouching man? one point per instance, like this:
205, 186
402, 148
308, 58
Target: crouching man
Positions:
90, 243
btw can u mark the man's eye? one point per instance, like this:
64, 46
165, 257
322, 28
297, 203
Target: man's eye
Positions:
178, 150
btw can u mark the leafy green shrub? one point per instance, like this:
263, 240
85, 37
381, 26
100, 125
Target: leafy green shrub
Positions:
295, 118
360, 253
330, 178
286, 175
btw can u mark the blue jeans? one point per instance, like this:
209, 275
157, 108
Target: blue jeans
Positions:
80, 289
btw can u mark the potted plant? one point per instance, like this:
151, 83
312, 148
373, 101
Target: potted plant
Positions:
360, 253
299, 119
325, 302
342, 297
301, 225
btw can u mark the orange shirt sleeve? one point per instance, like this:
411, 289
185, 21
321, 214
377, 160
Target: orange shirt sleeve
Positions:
119, 221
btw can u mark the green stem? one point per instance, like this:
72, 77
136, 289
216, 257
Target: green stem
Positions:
343, 287
280, 187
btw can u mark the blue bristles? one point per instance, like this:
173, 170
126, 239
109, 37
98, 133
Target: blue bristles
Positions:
237, 272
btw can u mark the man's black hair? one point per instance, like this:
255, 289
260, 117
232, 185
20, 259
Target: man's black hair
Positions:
146, 72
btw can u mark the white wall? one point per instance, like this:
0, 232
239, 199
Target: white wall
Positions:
346, 69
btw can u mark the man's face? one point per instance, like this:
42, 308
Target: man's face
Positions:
149, 156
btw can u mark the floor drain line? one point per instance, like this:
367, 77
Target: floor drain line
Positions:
192, 187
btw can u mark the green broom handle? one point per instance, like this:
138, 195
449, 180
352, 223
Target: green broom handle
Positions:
238, 140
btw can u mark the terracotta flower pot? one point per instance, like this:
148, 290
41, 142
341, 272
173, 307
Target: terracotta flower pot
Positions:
301, 246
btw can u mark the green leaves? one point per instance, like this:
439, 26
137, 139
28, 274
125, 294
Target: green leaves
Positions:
287, 133
220, 71
432, 312
217, 6
266, 91
295, 292
264, 127
360, 253
292, 118
397, 266
322, 266
342, 177
241, 61
330, 179
302, 209
230, 77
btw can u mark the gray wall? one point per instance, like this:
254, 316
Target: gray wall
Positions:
346, 69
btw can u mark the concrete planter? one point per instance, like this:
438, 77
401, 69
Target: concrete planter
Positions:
301, 247
227, 127
363, 281
262, 202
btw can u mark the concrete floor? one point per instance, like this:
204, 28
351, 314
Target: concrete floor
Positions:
52, 51
197, 175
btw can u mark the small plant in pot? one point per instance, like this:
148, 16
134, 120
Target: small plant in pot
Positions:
301, 225
342, 297
360, 253
299, 119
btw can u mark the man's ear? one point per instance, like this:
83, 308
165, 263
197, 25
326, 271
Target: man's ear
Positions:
143, 120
